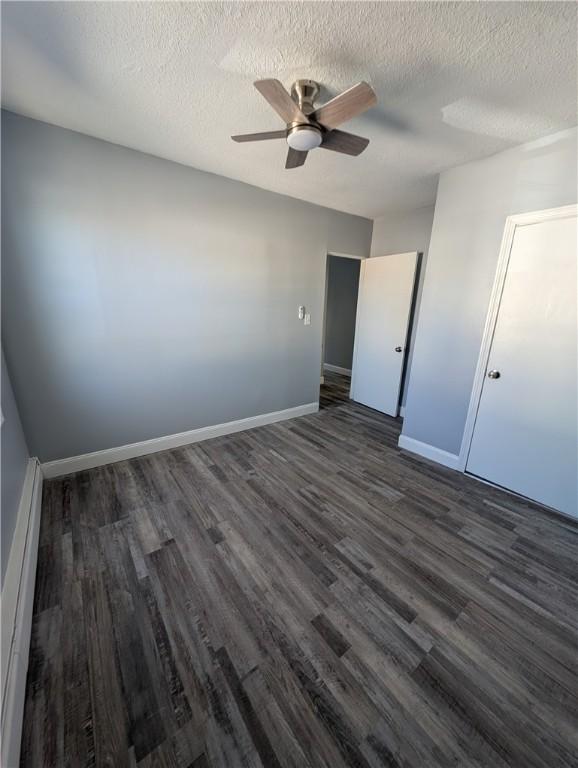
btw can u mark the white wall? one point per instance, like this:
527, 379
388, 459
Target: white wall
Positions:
404, 232
143, 298
14, 463
472, 204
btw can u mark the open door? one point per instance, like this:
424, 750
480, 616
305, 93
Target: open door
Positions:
383, 312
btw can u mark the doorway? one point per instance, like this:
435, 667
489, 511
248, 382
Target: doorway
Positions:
341, 294
368, 306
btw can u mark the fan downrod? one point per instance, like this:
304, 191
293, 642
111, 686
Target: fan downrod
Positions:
304, 92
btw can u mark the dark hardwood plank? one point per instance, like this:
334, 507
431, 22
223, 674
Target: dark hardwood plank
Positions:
332, 636
300, 595
254, 726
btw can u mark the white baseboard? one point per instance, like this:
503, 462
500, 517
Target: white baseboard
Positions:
451, 460
17, 604
122, 452
336, 369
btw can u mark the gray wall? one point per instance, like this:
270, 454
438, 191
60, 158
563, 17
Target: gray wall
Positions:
14, 462
143, 298
472, 205
342, 285
403, 232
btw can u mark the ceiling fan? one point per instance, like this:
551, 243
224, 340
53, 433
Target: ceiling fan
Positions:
308, 126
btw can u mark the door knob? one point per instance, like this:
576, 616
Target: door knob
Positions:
494, 374
398, 349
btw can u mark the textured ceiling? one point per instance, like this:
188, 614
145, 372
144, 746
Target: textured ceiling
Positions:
455, 82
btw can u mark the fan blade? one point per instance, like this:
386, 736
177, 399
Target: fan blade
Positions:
280, 100
295, 158
260, 136
348, 104
346, 143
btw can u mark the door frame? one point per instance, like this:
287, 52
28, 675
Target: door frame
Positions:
512, 223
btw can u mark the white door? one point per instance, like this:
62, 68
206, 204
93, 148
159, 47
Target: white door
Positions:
383, 308
525, 435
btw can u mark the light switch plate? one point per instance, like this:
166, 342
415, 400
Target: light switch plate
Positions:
301, 313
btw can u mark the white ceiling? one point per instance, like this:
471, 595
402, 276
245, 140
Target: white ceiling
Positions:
455, 82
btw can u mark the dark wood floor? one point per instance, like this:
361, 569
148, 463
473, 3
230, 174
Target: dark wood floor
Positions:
302, 594
335, 390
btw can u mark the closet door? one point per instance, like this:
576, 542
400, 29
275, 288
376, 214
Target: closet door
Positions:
525, 435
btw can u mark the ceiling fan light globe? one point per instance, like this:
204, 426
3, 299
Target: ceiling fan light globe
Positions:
304, 138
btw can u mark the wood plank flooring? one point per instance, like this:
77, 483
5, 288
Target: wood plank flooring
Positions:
302, 594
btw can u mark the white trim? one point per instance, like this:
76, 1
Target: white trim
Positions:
322, 379
450, 460
17, 604
324, 324
402, 410
131, 451
336, 369
512, 222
